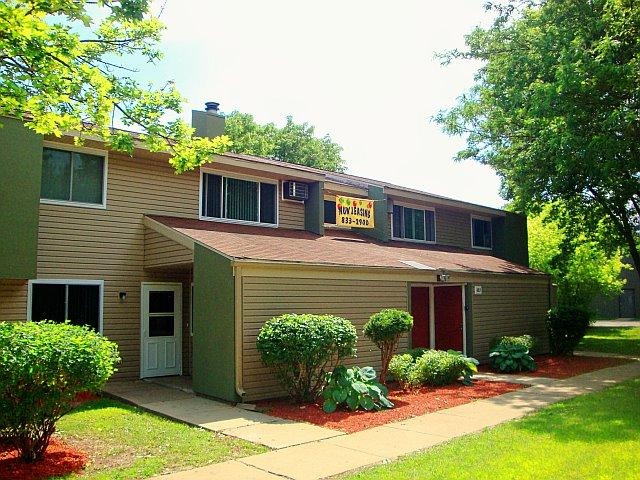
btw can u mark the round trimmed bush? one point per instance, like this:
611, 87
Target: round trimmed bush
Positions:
384, 329
566, 326
43, 366
437, 367
301, 349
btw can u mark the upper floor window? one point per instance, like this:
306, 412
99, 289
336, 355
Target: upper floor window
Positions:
330, 212
243, 200
59, 300
413, 224
75, 177
481, 232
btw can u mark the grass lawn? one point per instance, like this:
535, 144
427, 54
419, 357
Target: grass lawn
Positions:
622, 340
124, 442
595, 436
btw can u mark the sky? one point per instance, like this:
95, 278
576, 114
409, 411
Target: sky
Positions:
363, 72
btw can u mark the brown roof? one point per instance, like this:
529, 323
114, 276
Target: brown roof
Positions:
336, 247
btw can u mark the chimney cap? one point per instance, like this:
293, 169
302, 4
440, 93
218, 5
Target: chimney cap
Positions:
211, 107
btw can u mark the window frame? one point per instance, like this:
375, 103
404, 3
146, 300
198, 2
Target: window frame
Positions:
485, 219
67, 282
412, 240
247, 178
105, 170
333, 200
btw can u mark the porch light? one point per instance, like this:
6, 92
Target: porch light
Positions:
122, 296
443, 277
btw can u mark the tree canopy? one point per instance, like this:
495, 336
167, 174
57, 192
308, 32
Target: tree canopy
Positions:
578, 264
293, 143
62, 69
555, 110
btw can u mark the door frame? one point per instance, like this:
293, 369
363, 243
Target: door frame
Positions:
145, 288
432, 311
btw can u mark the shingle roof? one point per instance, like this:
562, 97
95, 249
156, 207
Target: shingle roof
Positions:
336, 247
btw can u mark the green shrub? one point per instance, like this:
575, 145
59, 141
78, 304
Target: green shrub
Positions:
43, 366
525, 341
400, 367
437, 367
566, 326
433, 367
507, 358
354, 387
417, 352
384, 329
302, 348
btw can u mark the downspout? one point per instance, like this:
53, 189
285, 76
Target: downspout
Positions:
238, 324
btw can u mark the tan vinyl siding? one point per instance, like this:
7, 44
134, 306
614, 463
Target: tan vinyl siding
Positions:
159, 251
509, 307
453, 227
291, 215
355, 300
99, 244
13, 300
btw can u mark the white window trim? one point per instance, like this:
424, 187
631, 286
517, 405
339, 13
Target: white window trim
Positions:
486, 219
231, 220
60, 281
105, 171
411, 240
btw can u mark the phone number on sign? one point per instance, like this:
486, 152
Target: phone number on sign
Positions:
358, 222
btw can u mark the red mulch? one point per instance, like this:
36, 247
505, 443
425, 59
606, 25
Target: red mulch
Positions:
564, 367
407, 404
59, 459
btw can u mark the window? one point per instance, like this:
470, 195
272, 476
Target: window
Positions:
78, 302
330, 212
72, 177
235, 199
414, 224
481, 232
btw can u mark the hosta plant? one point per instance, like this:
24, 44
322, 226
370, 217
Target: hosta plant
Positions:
511, 358
356, 388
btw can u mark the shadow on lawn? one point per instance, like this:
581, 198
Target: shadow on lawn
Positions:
612, 416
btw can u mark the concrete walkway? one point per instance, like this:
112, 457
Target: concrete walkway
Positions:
307, 452
618, 322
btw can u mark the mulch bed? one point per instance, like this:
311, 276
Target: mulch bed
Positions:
564, 367
407, 404
59, 459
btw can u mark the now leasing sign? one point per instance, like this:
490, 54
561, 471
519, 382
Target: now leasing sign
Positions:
354, 212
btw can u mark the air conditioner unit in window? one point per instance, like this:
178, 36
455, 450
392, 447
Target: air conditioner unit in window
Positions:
295, 190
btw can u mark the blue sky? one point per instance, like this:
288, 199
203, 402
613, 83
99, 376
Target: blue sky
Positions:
362, 71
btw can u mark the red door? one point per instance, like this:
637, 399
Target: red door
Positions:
420, 313
448, 317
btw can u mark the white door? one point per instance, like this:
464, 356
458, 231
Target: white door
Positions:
161, 318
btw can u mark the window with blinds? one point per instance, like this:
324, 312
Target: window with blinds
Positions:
236, 199
413, 224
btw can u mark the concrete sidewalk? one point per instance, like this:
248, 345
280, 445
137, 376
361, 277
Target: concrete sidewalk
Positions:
307, 452
618, 322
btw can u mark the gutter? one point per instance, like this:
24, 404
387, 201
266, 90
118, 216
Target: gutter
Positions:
238, 325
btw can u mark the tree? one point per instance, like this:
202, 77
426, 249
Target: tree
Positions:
62, 70
293, 143
555, 110
384, 329
579, 265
